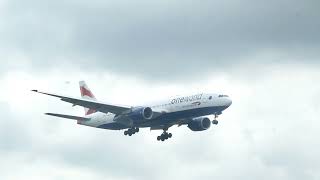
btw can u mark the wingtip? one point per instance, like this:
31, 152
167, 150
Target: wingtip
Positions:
34, 90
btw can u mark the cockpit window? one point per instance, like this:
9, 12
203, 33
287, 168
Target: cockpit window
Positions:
221, 95
210, 97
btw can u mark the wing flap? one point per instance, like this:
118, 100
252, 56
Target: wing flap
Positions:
68, 116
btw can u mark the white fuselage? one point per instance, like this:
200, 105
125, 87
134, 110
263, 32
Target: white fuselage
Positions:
173, 111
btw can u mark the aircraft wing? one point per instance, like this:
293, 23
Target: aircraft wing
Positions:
99, 106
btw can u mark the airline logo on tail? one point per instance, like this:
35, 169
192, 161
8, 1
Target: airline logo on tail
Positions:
87, 94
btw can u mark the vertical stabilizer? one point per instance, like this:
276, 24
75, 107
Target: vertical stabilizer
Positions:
87, 94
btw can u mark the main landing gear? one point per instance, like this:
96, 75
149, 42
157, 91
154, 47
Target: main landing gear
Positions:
131, 131
164, 136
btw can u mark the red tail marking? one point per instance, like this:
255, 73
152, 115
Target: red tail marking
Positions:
86, 92
91, 111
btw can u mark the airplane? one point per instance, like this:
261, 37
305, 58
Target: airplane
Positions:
184, 110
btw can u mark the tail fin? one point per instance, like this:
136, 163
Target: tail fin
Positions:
87, 94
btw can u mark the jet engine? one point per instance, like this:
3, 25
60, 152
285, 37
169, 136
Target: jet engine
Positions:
199, 124
141, 113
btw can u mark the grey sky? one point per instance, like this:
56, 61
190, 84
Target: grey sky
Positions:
265, 55
99, 35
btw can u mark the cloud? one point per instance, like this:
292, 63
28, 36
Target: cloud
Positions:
264, 54
158, 39
267, 129
10, 141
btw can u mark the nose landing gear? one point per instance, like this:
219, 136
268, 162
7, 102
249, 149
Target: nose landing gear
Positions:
131, 131
215, 121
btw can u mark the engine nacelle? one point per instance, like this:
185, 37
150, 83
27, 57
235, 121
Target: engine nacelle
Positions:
141, 113
199, 124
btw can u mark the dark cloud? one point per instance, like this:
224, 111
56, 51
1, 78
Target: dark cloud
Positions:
159, 38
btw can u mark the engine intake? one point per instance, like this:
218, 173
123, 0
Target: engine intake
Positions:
199, 124
141, 113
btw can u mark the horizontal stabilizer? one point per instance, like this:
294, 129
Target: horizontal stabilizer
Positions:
68, 117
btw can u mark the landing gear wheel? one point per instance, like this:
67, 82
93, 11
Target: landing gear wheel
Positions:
164, 136
215, 122
131, 131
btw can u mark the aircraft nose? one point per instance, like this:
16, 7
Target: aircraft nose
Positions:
229, 102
